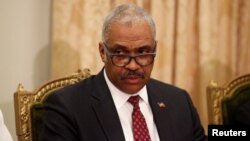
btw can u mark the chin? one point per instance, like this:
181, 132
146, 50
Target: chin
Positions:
132, 90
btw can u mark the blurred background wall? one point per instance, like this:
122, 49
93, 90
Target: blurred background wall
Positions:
24, 50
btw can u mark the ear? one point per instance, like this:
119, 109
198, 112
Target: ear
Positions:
156, 44
102, 52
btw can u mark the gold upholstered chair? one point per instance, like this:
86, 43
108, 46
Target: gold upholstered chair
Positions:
223, 101
28, 105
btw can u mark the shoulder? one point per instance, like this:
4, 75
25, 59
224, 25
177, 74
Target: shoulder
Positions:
163, 87
79, 86
74, 91
171, 93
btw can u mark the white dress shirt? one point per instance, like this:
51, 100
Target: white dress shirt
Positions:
124, 109
4, 132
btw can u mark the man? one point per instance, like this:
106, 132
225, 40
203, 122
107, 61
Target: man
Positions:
100, 108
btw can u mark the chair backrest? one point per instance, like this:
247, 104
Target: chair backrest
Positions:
28, 105
223, 101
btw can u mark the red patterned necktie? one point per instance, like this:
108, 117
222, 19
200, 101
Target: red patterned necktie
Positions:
140, 129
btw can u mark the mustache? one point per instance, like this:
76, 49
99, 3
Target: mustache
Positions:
132, 73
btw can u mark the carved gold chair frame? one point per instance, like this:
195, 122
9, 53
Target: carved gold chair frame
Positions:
215, 95
24, 100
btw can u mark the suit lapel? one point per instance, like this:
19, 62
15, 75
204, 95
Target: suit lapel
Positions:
162, 117
105, 110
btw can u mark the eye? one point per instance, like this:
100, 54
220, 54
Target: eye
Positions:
120, 51
143, 51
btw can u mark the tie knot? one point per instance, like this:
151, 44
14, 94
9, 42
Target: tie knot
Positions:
134, 100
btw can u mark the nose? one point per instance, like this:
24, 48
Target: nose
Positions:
132, 65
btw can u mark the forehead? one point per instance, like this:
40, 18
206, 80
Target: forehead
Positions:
130, 32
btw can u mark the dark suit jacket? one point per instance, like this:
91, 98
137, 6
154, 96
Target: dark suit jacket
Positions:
86, 112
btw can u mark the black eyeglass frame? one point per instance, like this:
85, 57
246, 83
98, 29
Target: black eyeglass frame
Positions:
111, 55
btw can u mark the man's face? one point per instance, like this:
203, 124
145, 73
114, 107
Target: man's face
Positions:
131, 40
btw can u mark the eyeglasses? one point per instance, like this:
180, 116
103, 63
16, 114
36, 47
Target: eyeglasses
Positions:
121, 60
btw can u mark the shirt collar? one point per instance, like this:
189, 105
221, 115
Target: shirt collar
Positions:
120, 97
